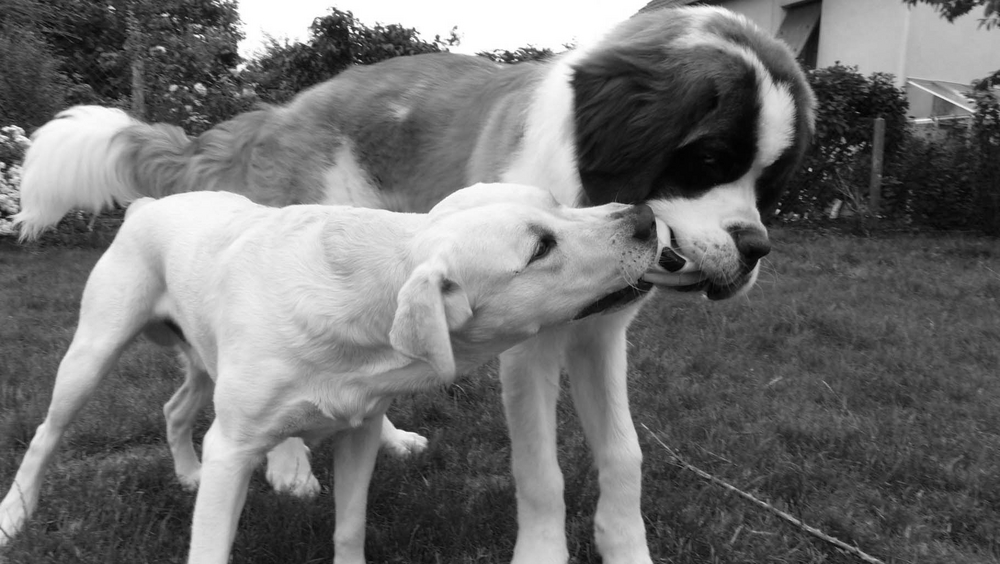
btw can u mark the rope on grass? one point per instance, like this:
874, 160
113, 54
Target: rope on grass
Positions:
853, 550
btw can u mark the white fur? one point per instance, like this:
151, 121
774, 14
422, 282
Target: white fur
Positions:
777, 115
310, 319
347, 184
87, 179
548, 156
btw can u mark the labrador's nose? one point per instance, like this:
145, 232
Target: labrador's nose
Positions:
751, 243
645, 222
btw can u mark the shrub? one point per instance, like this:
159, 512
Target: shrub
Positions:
13, 144
950, 181
934, 182
190, 78
847, 105
986, 136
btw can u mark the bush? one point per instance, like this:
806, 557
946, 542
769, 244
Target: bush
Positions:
836, 166
934, 182
189, 75
13, 144
949, 181
953, 182
986, 137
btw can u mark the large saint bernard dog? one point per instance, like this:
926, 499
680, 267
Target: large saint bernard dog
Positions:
694, 111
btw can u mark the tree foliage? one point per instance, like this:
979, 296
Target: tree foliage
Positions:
952, 9
32, 89
190, 58
97, 44
519, 55
337, 41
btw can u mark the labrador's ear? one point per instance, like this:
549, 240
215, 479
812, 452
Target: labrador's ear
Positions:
428, 307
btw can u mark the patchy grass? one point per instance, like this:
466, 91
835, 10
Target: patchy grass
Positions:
856, 387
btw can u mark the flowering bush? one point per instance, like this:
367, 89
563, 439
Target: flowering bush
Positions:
187, 86
13, 144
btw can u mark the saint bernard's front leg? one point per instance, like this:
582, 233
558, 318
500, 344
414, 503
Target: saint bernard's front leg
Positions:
596, 362
529, 373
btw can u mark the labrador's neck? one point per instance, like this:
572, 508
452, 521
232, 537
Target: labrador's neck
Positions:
348, 290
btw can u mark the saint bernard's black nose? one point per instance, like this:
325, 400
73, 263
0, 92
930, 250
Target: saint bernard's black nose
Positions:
645, 222
751, 243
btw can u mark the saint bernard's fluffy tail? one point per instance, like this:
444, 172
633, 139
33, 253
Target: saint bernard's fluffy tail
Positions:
90, 158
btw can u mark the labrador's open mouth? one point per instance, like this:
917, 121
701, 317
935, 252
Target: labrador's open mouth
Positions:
712, 290
674, 280
617, 299
696, 281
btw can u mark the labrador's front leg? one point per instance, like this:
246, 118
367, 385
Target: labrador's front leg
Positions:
529, 373
596, 362
353, 463
225, 475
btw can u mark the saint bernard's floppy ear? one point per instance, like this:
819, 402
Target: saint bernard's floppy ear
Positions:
429, 306
635, 106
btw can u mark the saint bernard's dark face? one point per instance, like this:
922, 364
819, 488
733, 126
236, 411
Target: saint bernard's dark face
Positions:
702, 116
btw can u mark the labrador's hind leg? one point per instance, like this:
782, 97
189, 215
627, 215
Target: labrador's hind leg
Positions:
399, 442
180, 412
289, 471
113, 311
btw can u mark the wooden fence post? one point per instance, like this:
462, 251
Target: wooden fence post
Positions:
878, 149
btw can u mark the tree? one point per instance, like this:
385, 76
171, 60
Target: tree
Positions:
519, 55
336, 41
951, 9
189, 51
98, 42
32, 89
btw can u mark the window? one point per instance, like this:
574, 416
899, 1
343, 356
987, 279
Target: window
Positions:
800, 30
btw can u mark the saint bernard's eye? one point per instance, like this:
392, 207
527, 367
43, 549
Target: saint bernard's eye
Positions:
545, 244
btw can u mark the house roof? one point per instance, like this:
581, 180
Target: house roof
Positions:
952, 92
658, 4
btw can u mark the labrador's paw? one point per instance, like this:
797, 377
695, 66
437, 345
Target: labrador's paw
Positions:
403, 443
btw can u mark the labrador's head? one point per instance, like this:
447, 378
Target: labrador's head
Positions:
497, 263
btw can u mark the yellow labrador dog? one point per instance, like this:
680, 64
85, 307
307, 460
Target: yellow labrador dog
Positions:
310, 319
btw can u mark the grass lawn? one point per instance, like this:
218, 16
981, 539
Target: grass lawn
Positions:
856, 387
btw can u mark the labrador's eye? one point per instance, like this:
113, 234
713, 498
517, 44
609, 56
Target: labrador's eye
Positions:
542, 248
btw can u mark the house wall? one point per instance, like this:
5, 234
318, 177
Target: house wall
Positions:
888, 36
871, 34
958, 52
767, 14
921, 103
